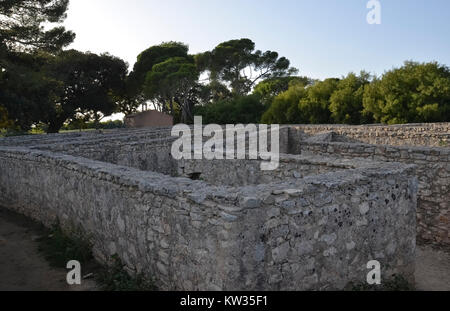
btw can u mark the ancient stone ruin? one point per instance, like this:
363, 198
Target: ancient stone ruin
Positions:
341, 197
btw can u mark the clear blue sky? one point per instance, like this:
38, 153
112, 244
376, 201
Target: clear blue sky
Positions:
322, 38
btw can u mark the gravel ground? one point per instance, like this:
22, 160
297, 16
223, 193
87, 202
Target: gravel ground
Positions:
432, 269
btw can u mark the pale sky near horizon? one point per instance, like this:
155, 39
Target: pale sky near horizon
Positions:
322, 38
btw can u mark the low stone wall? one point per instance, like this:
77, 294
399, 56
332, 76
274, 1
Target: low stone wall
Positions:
433, 172
148, 151
248, 172
429, 134
147, 155
316, 232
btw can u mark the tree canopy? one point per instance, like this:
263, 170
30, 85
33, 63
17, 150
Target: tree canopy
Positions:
244, 109
268, 89
235, 63
21, 25
346, 102
24, 91
89, 85
416, 92
171, 82
133, 94
153, 56
314, 107
53, 89
43, 85
284, 107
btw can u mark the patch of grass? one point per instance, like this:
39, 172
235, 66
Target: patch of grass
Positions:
115, 278
76, 131
11, 133
396, 283
60, 247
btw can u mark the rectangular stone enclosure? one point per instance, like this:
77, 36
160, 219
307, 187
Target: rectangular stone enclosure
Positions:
312, 224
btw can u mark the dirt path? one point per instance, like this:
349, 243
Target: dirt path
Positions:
22, 267
432, 269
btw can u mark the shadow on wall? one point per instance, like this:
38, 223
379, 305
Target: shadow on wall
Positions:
328, 137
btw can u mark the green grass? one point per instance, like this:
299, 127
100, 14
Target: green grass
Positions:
115, 278
396, 283
75, 131
60, 247
37, 131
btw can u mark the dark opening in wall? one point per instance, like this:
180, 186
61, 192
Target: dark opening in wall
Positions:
195, 176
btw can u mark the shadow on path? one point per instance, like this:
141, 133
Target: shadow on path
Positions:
22, 266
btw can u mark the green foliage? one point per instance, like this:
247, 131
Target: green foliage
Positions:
59, 247
5, 122
236, 63
346, 102
39, 83
22, 22
396, 283
78, 124
212, 92
285, 107
240, 109
56, 88
413, 93
26, 99
167, 76
127, 98
172, 81
89, 84
314, 107
151, 57
115, 278
24, 92
270, 88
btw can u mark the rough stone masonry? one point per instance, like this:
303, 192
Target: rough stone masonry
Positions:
219, 225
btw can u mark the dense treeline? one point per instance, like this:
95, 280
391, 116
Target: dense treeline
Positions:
412, 93
44, 86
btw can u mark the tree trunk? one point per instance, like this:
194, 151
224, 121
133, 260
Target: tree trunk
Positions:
186, 112
54, 127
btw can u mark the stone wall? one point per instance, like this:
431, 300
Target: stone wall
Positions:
248, 172
151, 151
430, 134
433, 172
317, 231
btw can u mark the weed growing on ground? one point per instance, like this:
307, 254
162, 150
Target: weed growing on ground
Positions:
395, 283
60, 247
115, 278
